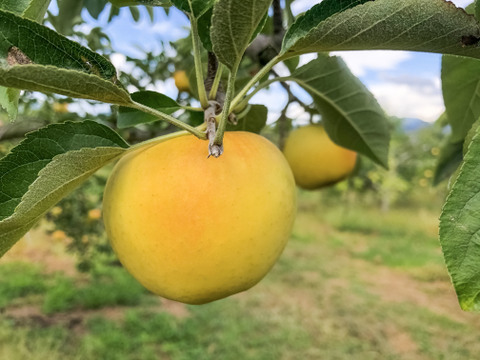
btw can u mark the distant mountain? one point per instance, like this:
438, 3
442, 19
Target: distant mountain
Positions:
411, 124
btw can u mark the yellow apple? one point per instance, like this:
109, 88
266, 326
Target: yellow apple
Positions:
181, 80
61, 108
59, 235
316, 161
197, 229
94, 214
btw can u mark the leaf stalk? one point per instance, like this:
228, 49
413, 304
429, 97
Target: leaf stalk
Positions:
168, 118
197, 54
222, 125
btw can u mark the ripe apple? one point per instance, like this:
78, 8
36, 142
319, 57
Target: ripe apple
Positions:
181, 80
316, 161
94, 214
197, 229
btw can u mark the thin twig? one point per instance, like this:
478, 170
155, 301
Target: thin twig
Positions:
212, 68
291, 96
282, 127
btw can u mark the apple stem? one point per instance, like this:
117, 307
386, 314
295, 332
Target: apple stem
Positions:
210, 120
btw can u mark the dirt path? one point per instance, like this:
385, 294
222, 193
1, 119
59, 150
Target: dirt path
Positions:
395, 286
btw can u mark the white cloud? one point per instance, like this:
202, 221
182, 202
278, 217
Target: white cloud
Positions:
166, 87
167, 28
83, 107
298, 114
301, 6
462, 3
121, 64
362, 61
304, 59
275, 98
405, 100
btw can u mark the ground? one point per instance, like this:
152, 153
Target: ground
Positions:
352, 283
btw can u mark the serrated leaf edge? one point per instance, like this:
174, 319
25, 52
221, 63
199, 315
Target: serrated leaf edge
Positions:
465, 306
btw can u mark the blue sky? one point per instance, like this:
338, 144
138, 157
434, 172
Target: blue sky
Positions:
406, 84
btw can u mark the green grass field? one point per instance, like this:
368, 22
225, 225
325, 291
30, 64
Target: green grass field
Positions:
353, 283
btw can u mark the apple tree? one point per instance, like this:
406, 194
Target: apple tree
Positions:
234, 48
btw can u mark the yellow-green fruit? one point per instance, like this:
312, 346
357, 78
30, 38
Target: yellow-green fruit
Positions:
197, 229
316, 161
181, 80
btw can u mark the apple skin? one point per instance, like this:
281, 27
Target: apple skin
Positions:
181, 80
197, 229
316, 161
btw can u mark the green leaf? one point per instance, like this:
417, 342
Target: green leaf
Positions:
204, 24
32, 9
135, 13
194, 118
31, 42
351, 115
15, 6
128, 117
254, 121
477, 9
292, 63
314, 16
451, 156
76, 71
9, 101
45, 167
36, 10
120, 3
234, 22
196, 8
65, 82
95, 7
69, 14
416, 25
461, 93
460, 228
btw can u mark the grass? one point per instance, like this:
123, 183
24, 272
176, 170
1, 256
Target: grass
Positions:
111, 287
19, 281
352, 284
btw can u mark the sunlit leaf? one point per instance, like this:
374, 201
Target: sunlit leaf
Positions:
416, 25
45, 167
65, 82
23, 41
31, 9
460, 229
234, 22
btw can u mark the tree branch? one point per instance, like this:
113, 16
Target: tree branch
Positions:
265, 47
212, 68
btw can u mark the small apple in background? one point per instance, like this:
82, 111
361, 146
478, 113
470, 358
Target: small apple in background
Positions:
181, 81
316, 161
